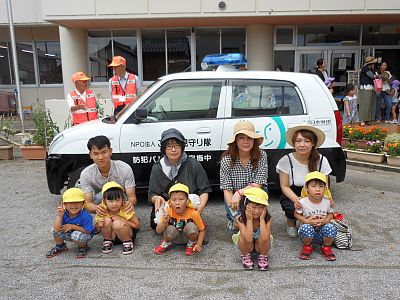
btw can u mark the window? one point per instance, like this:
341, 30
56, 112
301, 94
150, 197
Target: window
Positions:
125, 45
285, 59
215, 40
381, 35
5, 64
100, 55
284, 36
49, 62
184, 100
153, 54
25, 63
179, 58
266, 98
337, 35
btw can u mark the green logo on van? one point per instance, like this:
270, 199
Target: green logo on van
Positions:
270, 131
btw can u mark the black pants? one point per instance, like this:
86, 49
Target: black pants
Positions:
287, 204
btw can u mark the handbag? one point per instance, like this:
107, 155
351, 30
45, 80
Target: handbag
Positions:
344, 236
378, 85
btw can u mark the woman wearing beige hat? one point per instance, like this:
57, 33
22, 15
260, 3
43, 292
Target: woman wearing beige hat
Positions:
367, 95
294, 167
243, 165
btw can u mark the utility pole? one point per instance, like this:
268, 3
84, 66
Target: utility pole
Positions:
15, 62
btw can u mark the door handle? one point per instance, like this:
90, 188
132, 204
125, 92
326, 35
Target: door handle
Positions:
203, 130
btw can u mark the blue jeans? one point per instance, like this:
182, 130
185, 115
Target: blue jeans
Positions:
383, 96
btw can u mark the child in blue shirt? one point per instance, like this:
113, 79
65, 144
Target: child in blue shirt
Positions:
73, 223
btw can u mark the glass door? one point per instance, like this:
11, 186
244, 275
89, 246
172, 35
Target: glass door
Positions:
340, 62
307, 60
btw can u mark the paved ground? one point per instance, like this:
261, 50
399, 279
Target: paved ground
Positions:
369, 199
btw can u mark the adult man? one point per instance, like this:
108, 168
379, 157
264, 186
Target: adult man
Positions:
123, 86
102, 171
82, 101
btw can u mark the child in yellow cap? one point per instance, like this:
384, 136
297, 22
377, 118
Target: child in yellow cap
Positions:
117, 225
254, 228
180, 222
73, 223
316, 213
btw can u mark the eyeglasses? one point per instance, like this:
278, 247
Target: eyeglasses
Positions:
170, 147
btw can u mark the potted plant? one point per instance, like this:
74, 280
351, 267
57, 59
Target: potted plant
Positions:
45, 130
356, 136
373, 153
393, 154
7, 150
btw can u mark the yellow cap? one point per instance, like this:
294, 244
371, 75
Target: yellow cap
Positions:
316, 175
256, 195
110, 185
178, 187
73, 195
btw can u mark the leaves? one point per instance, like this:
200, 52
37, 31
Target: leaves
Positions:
46, 129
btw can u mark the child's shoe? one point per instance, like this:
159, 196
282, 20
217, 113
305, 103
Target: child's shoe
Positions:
164, 246
262, 262
327, 252
189, 248
82, 252
127, 247
106, 247
247, 262
306, 252
56, 250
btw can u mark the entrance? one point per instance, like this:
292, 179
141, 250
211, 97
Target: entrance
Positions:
338, 62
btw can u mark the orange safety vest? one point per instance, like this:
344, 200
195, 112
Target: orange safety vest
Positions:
84, 115
129, 91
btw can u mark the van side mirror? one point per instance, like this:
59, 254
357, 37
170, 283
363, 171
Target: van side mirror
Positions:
141, 114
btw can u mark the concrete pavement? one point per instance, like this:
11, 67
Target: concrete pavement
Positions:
369, 201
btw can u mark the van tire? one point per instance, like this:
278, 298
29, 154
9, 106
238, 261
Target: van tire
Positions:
74, 177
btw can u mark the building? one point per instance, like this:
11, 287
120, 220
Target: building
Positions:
57, 38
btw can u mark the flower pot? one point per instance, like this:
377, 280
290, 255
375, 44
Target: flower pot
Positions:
344, 142
361, 144
393, 160
376, 158
6, 152
33, 152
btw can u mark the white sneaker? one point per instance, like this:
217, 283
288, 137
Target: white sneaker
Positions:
292, 232
388, 121
394, 122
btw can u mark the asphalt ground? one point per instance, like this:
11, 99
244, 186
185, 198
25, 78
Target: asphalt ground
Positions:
369, 199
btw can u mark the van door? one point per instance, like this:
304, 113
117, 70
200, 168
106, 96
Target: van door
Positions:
272, 106
194, 107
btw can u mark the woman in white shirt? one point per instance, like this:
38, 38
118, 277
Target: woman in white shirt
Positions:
294, 167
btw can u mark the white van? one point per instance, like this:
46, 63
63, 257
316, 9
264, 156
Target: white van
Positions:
205, 106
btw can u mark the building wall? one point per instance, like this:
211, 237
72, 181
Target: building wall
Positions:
100, 9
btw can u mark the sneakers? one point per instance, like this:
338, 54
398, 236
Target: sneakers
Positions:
106, 247
127, 247
163, 247
82, 252
291, 231
247, 262
189, 248
388, 121
56, 250
394, 121
262, 262
327, 252
306, 252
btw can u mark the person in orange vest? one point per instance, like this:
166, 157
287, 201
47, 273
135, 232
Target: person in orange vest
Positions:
123, 86
82, 101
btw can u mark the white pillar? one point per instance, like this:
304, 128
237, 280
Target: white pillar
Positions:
260, 47
74, 54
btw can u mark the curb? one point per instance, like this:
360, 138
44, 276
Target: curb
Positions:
383, 167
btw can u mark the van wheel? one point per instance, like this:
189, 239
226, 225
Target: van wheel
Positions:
74, 177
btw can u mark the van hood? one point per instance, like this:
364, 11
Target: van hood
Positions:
74, 140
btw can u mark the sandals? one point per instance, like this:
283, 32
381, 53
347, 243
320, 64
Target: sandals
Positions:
127, 247
106, 246
82, 252
327, 252
56, 250
247, 262
262, 262
306, 252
